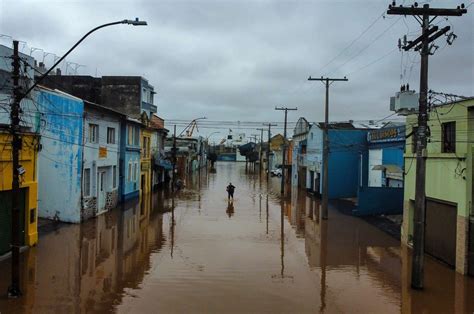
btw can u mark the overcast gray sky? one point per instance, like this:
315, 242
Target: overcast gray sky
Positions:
237, 60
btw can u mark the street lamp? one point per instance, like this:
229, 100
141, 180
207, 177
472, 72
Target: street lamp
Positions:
135, 22
14, 289
207, 138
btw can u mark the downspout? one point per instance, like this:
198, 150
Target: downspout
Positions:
82, 164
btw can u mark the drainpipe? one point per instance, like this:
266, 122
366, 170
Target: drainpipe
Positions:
82, 166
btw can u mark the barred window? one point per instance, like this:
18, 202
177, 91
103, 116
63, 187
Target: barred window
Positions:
449, 137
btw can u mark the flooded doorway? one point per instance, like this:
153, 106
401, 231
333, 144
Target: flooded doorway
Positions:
441, 231
101, 196
470, 255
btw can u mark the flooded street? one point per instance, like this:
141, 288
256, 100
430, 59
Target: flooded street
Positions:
197, 253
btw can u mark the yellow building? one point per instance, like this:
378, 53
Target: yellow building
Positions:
28, 186
145, 157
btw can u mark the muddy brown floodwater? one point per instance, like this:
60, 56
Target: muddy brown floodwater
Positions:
198, 253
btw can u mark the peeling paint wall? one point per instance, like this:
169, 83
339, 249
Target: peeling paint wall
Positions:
60, 157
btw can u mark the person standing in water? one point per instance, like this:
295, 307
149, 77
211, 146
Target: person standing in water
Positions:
230, 191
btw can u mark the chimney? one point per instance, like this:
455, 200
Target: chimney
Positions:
58, 71
42, 67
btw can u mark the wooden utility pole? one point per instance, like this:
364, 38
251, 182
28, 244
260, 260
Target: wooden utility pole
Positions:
425, 16
283, 177
173, 177
260, 157
14, 290
268, 148
327, 82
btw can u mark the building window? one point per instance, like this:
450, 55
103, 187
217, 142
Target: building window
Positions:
135, 172
130, 166
114, 179
87, 182
130, 135
146, 147
136, 140
414, 139
93, 133
110, 135
449, 137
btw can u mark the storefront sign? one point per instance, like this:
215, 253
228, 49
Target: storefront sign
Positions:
386, 135
102, 152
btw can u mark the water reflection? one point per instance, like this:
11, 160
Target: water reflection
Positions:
179, 252
230, 209
89, 267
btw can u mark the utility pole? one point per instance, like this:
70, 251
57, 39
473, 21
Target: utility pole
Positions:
268, 148
283, 177
260, 157
327, 82
425, 16
14, 289
173, 178
255, 162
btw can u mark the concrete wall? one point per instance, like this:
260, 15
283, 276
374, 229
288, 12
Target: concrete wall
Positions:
60, 157
379, 200
344, 160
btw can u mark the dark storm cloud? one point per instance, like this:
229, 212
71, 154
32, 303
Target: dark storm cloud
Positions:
237, 60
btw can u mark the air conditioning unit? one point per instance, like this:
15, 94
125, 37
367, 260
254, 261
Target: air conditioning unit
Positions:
405, 102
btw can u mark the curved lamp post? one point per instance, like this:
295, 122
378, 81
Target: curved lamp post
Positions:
14, 290
207, 137
135, 22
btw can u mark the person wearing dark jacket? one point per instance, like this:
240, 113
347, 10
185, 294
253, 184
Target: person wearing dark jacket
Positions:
230, 191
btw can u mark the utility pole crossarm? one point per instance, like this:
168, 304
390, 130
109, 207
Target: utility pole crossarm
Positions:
392, 10
327, 79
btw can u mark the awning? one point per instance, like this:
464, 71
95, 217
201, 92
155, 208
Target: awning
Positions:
388, 168
163, 163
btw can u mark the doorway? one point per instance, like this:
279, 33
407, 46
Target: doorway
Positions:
6, 219
441, 225
101, 191
470, 256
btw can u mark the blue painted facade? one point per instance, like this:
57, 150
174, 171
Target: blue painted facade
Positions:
381, 172
345, 149
60, 156
130, 159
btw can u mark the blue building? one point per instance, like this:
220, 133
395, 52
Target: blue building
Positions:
130, 159
346, 145
381, 172
60, 159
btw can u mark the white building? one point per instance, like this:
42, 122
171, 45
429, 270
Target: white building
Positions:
101, 160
